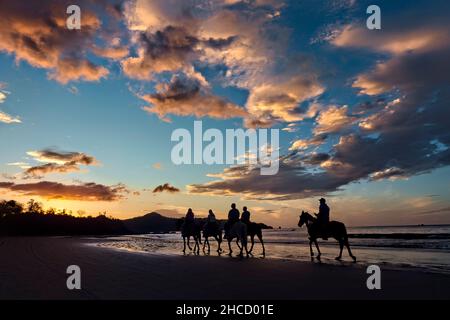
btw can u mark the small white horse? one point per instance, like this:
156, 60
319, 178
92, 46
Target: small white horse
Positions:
238, 231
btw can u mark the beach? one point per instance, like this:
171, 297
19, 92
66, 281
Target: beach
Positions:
35, 268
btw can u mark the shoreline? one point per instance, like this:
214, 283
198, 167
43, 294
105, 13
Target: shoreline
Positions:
36, 269
329, 251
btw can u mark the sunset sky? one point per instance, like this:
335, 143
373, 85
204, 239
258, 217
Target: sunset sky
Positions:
86, 115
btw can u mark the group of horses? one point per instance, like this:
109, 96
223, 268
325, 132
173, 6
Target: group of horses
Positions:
240, 231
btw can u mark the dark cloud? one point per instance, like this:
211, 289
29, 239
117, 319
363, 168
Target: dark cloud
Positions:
170, 49
55, 190
54, 156
316, 158
40, 171
165, 188
293, 181
403, 131
57, 162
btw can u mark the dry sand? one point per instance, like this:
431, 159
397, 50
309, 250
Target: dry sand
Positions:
35, 268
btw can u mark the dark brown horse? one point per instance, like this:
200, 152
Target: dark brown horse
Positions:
334, 229
212, 230
255, 229
189, 230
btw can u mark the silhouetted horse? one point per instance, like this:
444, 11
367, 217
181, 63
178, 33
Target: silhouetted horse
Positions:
334, 229
239, 231
215, 231
189, 230
255, 229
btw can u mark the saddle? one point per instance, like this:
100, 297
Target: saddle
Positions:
322, 230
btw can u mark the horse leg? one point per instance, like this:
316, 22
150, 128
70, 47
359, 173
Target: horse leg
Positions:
229, 246
341, 246
218, 243
252, 239
237, 243
349, 250
204, 243
318, 250
244, 245
196, 245
262, 243
189, 242
184, 244
240, 253
209, 247
310, 248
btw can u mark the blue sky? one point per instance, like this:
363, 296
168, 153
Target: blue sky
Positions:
367, 103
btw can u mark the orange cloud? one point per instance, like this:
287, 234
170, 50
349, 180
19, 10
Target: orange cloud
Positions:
333, 120
36, 32
186, 96
80, 192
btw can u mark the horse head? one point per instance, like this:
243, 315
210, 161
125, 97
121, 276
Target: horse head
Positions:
304, 218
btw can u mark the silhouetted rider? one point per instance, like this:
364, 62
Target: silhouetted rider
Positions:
211, 222
323, 217
245, 217
211, 217
189, 217
233, 217
189, 220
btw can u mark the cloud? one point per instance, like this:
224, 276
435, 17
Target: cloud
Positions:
316, 158
418, 71
240, 37
390, 173
36, 32
80, 192
2, 97
172, 49
39, 171
114, 53
62, 157
72, 69
185, 96
333, 120
293, 181
57, 162
280, 98
306, 143
165, 188
22, 165
397, 42
6, 118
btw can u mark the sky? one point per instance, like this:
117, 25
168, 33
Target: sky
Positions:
86, 116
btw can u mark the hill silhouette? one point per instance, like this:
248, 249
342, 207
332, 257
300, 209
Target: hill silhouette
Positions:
31, 219
151, 222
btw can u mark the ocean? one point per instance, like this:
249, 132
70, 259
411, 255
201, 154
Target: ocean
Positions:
425, 248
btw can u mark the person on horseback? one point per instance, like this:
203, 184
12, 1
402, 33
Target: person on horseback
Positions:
211, 217
245, 217
189, 216
211, 222
233, 216
323, 217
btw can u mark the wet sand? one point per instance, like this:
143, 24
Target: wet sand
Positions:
35, 268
